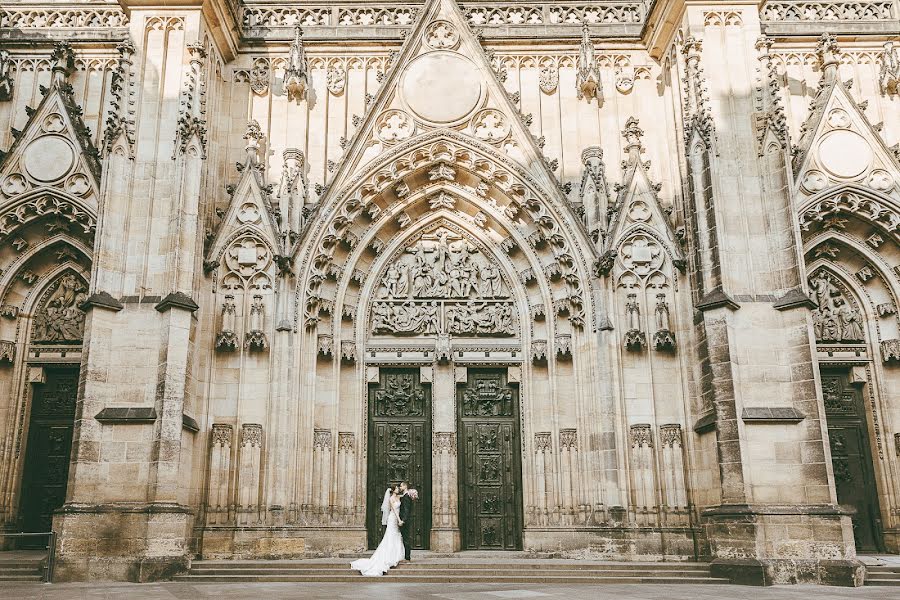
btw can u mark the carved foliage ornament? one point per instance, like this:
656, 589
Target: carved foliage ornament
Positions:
59, 318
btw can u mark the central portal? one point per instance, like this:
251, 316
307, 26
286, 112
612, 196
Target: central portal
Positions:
490, 470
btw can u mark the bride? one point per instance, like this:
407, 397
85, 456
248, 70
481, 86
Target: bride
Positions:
390, 550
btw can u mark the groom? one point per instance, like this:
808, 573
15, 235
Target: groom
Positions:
405, 518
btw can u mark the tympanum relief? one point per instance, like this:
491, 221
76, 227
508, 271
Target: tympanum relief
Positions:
59, 319
834, 319
442, 284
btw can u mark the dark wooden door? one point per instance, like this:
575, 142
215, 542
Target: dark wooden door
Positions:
400, 449
48, 449
854, 477
490, 472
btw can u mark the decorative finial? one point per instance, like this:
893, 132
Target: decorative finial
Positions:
633, 134
63, 62
6, 79
253, 136
827, 51
296, 75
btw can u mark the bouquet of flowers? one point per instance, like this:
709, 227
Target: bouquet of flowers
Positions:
413, 494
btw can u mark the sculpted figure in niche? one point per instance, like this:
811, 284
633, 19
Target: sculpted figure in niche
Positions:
834, 320
490, 281
60, 319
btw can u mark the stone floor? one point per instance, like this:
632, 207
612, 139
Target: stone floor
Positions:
387, 591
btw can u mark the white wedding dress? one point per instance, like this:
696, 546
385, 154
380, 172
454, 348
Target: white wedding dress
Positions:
389, 552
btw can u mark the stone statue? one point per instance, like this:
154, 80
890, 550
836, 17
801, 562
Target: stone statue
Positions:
834, 320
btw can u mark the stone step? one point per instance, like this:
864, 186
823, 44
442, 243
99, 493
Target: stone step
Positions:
453, 578
492, 566
882, 581
457, 572
886, 570
884, 575
23, 577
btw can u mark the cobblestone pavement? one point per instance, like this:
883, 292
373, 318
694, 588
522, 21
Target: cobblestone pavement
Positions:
379, 591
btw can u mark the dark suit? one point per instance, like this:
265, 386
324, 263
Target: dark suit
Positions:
406, 528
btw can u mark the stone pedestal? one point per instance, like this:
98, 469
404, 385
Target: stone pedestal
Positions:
121, 542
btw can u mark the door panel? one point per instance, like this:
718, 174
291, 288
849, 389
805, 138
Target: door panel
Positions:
400, 449
489, 462
851, 459
48, 449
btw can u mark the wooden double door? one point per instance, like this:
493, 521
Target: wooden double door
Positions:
48, 449
490, 471
851, 457
399, 449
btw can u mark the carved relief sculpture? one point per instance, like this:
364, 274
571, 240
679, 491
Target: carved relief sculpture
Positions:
59, 319
834, 319
442, 284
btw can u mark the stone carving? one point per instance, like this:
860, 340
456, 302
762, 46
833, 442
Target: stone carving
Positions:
325, 344
246, 261
441, 35
322, 439
348, 351
56, 18
59, 318
548, 79
251, 435
834, 320
824, 212
538, 350
624, 78
444, 442
641, 436
17, 216
543, 442
490, 125
442, 172
634, 336
296, 73
221, 435
587, 78
226, 340
7, 351
663, 339
336, 80
890, 351
568, 439
883, 310
442, 200
564, 345
192, 124
9, 311
259, 77
641, 255
841, 10
6, 78
394, 125
553, 14
670, 435
256, 338
888, 77
771, 115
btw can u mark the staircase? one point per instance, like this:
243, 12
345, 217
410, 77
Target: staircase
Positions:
883, 575
21, 566
453, 570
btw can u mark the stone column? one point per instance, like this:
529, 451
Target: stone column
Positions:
445, 536
139, 328
778, 521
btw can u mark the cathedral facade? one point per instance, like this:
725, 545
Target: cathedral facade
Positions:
600, 279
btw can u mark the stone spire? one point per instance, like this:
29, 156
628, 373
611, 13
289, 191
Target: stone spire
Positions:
633, 147
296, 75
770, 114
253, 135
827, 51
120, 120
588, 77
